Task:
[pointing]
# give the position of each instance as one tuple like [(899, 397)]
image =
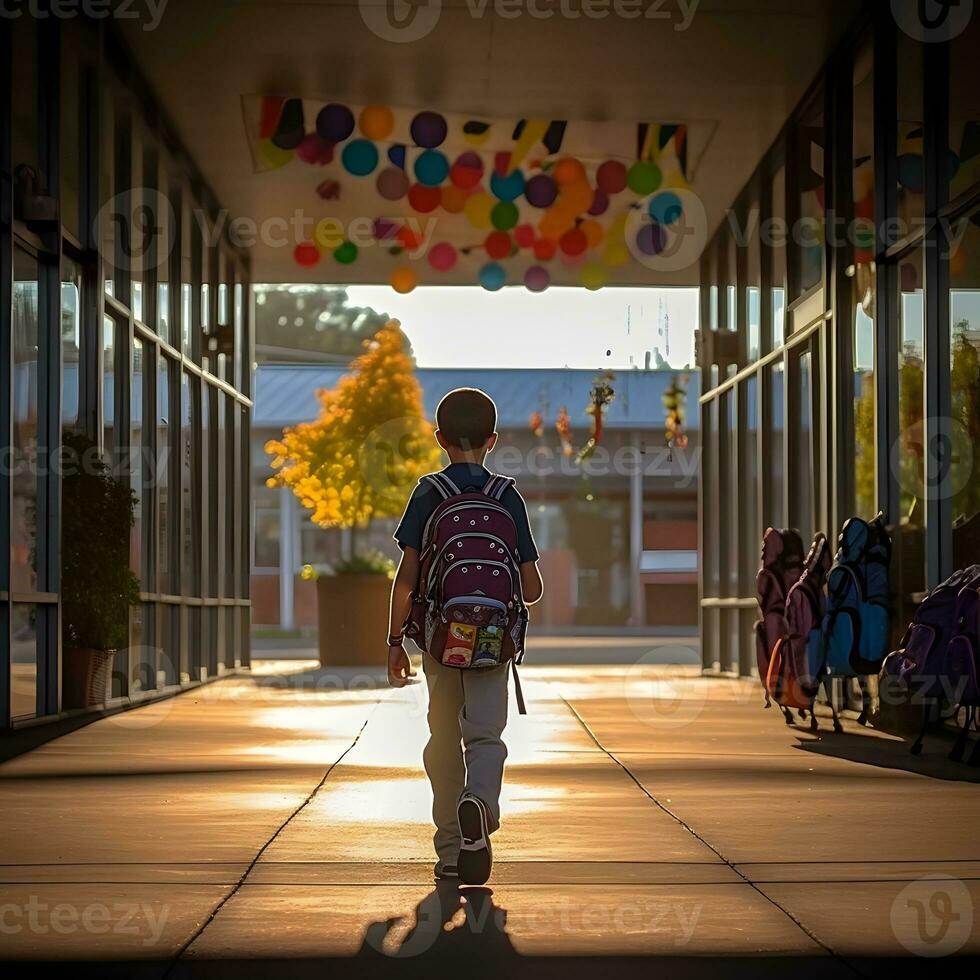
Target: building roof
[(285, 393)]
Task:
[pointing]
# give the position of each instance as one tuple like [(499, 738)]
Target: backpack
[(917, 667), (468, 611), (959, 662), (781, 564), (855, 626), (796, 663)]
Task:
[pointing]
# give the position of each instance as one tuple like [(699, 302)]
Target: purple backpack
[(781, 565), (468, 610), (960, 667)]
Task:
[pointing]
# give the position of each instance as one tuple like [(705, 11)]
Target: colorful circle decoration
[(540, 191), (345, 253), (403, 279), (306, 255), (424, 199), (665, 208), (594, 233), (376, 122), (428, 129), (592, 276), (478, 209), (467, 171), (611, 176), (392, 184), (577, 196), (507, 187), (568, 170), (504, 215), (600, 202), (452, 199), (359, 157), (492, 276), (270, 156), (545, 248), (408, 238), (498, 245), (651, 238), (315, 151), (573, 242), (385, 230), (442, 257), (334, 122), (643, 178), (396, 155), (431, 168), (537, 279), (524, 236)]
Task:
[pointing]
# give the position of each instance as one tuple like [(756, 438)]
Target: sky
[(465, 326)]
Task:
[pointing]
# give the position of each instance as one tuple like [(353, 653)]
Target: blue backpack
[(856, 624)]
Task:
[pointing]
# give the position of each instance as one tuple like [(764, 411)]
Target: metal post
[(287, 561)]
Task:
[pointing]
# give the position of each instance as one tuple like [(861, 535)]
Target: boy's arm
[(399, 666), (532, 585)]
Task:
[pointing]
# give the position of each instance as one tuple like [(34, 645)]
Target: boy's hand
[(399, 666)]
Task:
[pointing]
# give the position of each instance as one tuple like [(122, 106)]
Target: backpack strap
[(496, 486), (443, 484), (518, 693)]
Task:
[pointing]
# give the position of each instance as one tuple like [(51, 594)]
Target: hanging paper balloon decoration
[(467, 171), (424, 199), (545, 248), (345, 253), (665, 208), (573, 242), (315, 151), (452, 199), (431, 168), (537, 278), (497, 245), (540, 191), (600, 202), (334, 122), (593, 276), (396, 155), (359, 157), (428, 129), (504, 215), (568, 170), (643, 178), (376, 122), (593, 232), (403, 279), (509, 187), (478, 209), (306, 255), (442, 257), (524, 236), (408, 238), (492, 276), (392, 184), (611, 176)]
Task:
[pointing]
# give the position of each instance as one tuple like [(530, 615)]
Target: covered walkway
[(282, 816)]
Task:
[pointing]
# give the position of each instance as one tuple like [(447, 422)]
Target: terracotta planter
[(352, 612), (86, 677)]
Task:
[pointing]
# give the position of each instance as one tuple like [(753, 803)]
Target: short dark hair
[(466, 417)]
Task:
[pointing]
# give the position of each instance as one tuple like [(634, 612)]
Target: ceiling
[(733, 72)]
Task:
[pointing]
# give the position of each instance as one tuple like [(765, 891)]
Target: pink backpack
[(468, 610)]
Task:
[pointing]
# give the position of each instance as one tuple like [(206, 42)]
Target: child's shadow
[(449, 922)]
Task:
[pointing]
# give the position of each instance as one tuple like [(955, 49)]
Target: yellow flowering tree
[(370, 444)]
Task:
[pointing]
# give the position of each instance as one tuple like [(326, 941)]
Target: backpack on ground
[(917, 667), (961, 670), (781, 565), (856, 623), (796, 664), (468, 610)]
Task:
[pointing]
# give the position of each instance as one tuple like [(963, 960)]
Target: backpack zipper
[(463, 534), (489, 504), (478, 561)]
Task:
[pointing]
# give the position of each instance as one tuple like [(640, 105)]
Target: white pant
[(465, 752)]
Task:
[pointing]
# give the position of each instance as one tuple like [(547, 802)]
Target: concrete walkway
[(273, 821)]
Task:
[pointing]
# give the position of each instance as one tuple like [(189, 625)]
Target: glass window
[(70, 342), (114, 221), (24, 323), (777, 416), (777, 237), (23, 661), (752, 298), (140, 196), (163, 471), (964, 109), (749, 478), (164, 243), (109, 390), (810, 207), (911, 408), (965, 384), (803, 474), (778, 316), (240, 352), (138, 462), (910, 167)]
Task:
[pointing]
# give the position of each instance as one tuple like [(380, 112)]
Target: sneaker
[(445, 870), (475, 855)]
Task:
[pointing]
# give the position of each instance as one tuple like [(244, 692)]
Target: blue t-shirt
[(466, 476)]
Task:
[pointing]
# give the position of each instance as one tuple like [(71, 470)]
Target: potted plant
[(97, 584), (359, 460)]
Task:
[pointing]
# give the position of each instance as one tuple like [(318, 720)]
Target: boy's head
[(466, 420)]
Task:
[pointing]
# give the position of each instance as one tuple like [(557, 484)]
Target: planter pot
[(352, 613), (86, 677)]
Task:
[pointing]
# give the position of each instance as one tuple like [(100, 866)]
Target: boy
[(464, 757)]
